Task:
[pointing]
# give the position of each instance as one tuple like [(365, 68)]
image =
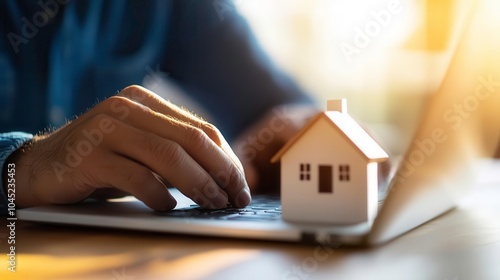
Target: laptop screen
[(460, 124)]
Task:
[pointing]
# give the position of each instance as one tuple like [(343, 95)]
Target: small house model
[(329, 170)]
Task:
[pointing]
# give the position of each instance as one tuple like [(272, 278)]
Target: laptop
[(436, 171)]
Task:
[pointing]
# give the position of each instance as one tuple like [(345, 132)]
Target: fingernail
[(244, 198)]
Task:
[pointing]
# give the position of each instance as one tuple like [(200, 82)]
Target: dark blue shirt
[(60, 57)]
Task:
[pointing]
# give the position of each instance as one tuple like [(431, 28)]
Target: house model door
[(325, 179)]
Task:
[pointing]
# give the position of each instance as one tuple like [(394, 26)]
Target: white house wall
[(301, 200), (372, 175)]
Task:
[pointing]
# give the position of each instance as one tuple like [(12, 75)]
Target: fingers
[(137, 180), (168, 159), (151, 100), (202, 141), (195, 143)]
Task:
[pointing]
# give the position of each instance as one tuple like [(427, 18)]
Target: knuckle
[(235, 179), (212, 132), (137, 93), (196, 138), (229, 178), (114, 102), (166, 152), (207, 188), (131, 91), (122, 106)]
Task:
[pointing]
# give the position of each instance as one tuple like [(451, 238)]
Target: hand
[(130, 142), (258, 144)]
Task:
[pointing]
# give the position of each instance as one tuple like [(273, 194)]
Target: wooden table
[(462, 244)]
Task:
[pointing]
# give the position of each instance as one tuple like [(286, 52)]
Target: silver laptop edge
[(460, 126)]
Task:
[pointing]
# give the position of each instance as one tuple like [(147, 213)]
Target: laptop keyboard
[(262, 208)]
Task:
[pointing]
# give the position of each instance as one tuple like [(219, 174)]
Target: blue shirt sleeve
[(213, 54), (9, 142)]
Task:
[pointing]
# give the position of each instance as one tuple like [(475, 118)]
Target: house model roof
[(339, 119)]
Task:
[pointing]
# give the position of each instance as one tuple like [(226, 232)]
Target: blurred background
[(385, 56)]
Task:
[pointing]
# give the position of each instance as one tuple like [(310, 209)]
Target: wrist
[(9, 143), (21, 159)]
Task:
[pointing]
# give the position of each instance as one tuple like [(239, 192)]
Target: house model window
[(305, 171), (344, 173)]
